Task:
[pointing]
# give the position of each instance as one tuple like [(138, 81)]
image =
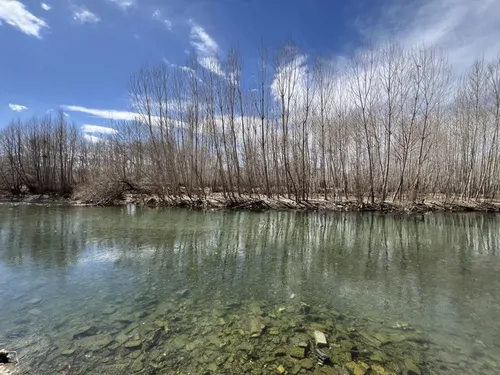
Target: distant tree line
[(390, 123)]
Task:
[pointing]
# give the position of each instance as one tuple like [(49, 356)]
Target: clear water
[(89, 290)]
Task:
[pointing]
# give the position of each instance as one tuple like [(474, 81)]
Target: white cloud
[(17, 107), (184, 68), (86, 128), (92, 138), (207, 50), (123, 4), (14, 13), (212, 64), (157, 16), (112, 114), (83, 15), (464, 29), (103, 113), (203, 43), (291, 78), (45, 6)]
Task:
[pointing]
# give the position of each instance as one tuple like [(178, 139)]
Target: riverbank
[(218, 201)]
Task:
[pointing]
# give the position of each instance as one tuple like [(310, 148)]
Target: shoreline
[(247, 203)]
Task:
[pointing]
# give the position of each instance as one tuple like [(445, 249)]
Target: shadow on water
[(67, 268)]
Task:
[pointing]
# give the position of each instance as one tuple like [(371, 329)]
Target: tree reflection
[(430, 267)]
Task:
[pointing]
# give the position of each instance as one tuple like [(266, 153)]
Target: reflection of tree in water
[(429, 267)]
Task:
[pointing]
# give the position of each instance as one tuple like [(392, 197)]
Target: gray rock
[(85, 332), (320, 339), (133, 344)]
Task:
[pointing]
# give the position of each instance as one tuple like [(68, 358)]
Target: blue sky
[(78, 54)]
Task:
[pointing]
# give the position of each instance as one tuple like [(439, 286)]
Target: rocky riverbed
[(185, 336)]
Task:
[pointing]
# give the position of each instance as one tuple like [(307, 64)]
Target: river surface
[(129, 290)]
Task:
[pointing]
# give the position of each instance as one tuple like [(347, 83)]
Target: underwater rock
[(85, 332), (109, 310), (68, 352), (183, 293), (327, 370), (280, 370), (256, 327), (411, 368), (34, 301), (386, 339), (273, 331), (95, 343), (403, 326), (355, 368), (304, 308), (133, 344), (320, 339), (297, 352), (377, 370), (322, 356), (279, 352), (255, 308), (307, 364)]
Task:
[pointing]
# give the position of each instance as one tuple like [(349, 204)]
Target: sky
[(77, 55)]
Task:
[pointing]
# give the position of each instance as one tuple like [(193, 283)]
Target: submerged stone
[(109, 310), (273, 331), (68, 352), (279, 352), (95, 343), (411, 368), (183, 293), (256, 327), (212, 367), (280, 370), (34, 301), (355, 368), (162, 325), (133, 344), (377, 370), (307, 364), (320, 338), (85, 331), (297, 352)]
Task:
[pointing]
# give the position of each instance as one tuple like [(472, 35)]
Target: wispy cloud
[(86, 128), (206, 48), (82, 15), (123, 4), (465, 29), (103, 113), (184, 68), (45, 6), (14, 13), (158, 16), (17, 107)]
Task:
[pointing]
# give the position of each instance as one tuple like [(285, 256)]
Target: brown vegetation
[(390, 127)]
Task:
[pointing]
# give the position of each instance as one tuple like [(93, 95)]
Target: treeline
[(391, 123)]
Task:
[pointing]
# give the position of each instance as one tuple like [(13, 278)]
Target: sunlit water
[(63, 269)]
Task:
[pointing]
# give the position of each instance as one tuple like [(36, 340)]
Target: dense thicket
[(391, 123)]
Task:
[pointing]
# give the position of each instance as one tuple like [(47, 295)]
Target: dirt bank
[(254, 203)]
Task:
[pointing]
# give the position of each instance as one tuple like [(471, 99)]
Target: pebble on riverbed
[(320, 339), (251, 339)]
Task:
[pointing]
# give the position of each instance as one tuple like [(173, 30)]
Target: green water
[(155, 291)]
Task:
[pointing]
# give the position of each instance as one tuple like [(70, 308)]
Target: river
[(126, 290)]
